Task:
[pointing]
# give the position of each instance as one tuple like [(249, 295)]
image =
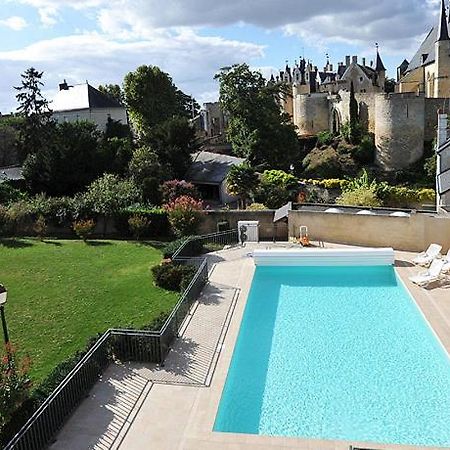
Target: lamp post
[(3, 297)]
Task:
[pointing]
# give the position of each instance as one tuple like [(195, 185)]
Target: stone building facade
[(400, 121)]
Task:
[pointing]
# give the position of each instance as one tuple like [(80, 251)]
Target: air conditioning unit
[(248, 231)]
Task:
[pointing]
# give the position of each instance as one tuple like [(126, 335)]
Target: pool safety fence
[(125, 345)]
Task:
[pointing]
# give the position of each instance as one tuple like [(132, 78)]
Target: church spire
[(443, 27), (379, 67)]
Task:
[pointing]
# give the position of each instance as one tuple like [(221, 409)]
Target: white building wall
[(99, 116)]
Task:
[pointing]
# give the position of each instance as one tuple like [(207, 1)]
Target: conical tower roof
[(442, 34), (379, 66)]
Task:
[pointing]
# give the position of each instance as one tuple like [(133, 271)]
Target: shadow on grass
[(98, 243), (15, 243), (55, 243), (159, 245)]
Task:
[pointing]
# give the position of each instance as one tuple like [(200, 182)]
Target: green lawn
[(60, 293)]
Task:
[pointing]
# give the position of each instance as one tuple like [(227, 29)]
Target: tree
[(68, 162), (258, 130), (241, 182), (113, 91), (174, 188), (354, 117), (110, 194), (185, 214), (152, 98), (146, 172), (35, 109), (173, 141), (277, 188)]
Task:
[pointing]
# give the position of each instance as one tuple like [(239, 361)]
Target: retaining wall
[(414, 233)]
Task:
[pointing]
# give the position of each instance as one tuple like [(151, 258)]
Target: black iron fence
[(126, 345)]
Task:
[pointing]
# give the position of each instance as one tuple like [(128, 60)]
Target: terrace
[(135, 405)]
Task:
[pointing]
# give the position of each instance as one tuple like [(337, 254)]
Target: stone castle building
[(401, 121)]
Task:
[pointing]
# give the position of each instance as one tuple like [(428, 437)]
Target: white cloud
[(192, 60), (15, 23)]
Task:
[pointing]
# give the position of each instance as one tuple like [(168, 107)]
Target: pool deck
[(136, 406)]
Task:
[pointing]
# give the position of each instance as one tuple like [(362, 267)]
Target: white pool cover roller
[(325, 257)]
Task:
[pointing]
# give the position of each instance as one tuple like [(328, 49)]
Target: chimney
[(347, 61), (364, 62), (355, 59), (371, 63), (63, 86)]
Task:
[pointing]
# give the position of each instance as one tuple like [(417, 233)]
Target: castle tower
[(442, 49)]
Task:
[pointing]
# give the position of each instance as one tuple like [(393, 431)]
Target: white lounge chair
[(425, 258), (430, 275), (446, 259)]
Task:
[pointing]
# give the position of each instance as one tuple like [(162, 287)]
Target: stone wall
[(414, 233), (399, 130), (267, 229)]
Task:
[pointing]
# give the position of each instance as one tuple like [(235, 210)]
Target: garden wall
[(414, 233), (267, 229)]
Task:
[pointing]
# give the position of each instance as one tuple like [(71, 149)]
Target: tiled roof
[(211, 168)]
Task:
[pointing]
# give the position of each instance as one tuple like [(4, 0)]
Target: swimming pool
[(336, 353)]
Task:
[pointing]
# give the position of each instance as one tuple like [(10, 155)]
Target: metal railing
[(125, 345), (193, 246)]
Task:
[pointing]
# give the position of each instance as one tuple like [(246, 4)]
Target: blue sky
[(101, 40)]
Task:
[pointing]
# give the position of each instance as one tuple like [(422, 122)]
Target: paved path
[(103, 419)]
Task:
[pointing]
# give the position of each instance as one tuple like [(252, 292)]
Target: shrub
[(257, 207), (404, 197), (184, 214), (173, 189), (360, 196), (276, 189), (9, 194), (20, 217), (331, 183), (195, 247), (40, 227), (157, 221), (84, 228), (324, 138), (172, 277), (138, 225), (364, 153), (14, 382)]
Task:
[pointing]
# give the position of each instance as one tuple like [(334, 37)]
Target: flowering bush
[(84, 228), (173, 189), (138, 224), (14, 383), (184, 214)]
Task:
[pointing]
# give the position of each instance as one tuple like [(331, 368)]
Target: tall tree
[(35, 109), (173, 141), (114, 91), (152, 98), (354, 116), (241, 182), (146, 172), (258, 130), (71, 160)]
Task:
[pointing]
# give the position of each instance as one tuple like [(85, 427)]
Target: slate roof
[(210, 168), (427, 48), (82, 96), (10, 174)]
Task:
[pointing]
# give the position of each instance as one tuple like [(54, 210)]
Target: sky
[(100, 41)]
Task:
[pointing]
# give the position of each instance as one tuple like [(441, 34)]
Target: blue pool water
[(336, 353)]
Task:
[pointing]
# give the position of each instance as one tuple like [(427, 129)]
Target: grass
[(60, 293)]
